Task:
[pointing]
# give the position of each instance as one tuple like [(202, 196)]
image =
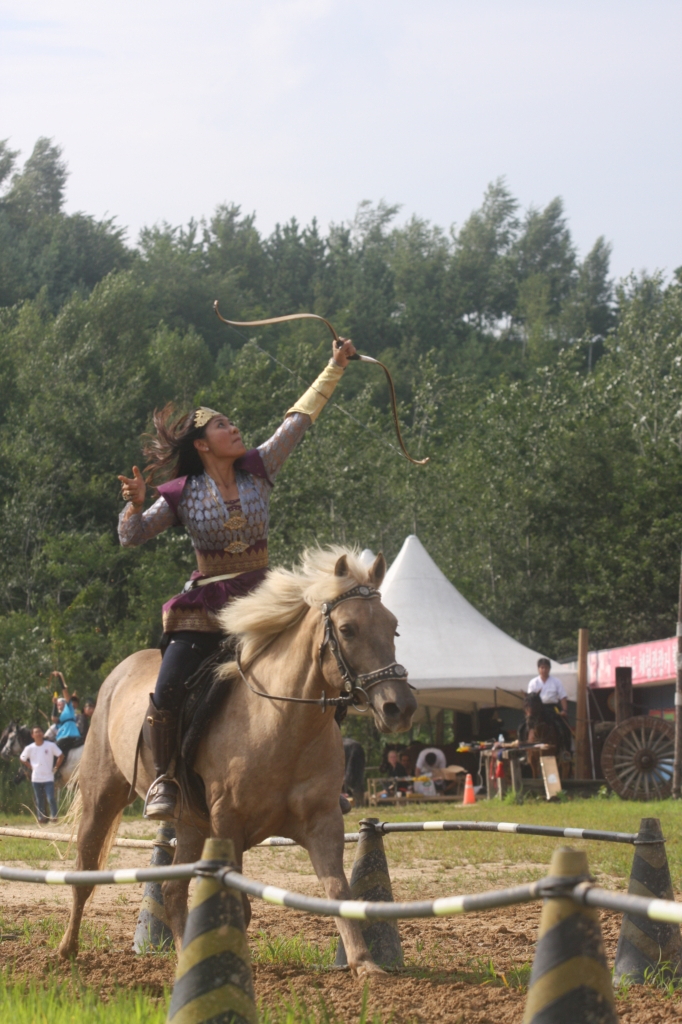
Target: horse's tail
[(109, 840), (75, 812), (72, 796)]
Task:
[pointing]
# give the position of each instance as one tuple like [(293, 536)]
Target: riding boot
[(162, 797)]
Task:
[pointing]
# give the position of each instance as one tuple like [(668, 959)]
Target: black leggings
[(69, 743), (182, 657)]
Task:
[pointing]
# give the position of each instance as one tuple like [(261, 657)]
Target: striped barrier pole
[(153, 931), (122, 876), (387, 827), (370, 881), (645, 945), (570, 979), (213, 982)]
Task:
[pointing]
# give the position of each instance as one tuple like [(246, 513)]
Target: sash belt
[(193, 584)]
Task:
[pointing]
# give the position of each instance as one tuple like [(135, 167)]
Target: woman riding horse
[(220, 493)]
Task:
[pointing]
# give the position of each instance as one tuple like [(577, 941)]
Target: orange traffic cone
[(469, 795)]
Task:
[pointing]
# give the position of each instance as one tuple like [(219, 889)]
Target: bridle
[(356, 684)]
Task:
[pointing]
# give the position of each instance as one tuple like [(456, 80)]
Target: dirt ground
[(446, 959)]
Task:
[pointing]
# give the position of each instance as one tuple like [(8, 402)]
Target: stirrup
[(173, 811)]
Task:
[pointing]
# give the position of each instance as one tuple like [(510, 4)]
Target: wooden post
[(440, 728), (516, 778), (582, 744), (677, 762), (624, 708)]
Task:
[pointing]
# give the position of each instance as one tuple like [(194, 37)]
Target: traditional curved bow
[(364, 359)]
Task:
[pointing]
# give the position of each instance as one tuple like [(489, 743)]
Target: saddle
[(205, 693)]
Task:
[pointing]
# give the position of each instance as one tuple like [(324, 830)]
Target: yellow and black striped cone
[(370, 881), (644, 945), (570, 982), (152, 931), (213, 982)]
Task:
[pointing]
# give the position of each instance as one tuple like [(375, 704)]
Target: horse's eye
[(346, 630)]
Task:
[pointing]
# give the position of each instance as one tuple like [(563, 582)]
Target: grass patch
[(36, 852), (295, 952), (662, 978), (295, 1010), (66, 1001), (428, 963), (48, 931)]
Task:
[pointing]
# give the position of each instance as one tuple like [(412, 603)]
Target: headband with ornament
[(203, 415)]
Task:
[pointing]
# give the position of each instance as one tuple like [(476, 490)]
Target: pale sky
[(306, 107)]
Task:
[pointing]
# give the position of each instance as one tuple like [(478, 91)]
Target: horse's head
[(10, 742), (341, 631), (532, 707), (365, 631)]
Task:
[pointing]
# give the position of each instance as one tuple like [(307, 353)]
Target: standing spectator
[(68, 733), (39, 756)]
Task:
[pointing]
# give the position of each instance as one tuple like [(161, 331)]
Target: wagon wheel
[(637, 759)]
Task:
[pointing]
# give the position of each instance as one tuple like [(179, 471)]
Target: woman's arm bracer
[(142, 526)]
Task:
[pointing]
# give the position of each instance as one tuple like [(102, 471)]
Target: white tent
[(455, 657)]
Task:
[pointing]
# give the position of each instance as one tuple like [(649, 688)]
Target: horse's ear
[(341, 567), (378, 570)]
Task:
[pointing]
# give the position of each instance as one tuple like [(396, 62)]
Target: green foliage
[(43, 250), (550, 413)]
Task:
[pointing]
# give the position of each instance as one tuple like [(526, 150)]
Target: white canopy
[(455, 657)]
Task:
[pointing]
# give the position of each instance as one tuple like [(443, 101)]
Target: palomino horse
[(15, 737), (269, 767)]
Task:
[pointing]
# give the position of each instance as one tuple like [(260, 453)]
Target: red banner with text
[(653, 662)]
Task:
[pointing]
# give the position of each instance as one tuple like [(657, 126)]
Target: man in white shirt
[(430, 758), (552, 694), (40, 757)]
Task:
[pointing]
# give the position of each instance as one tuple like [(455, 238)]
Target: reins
[(356, 685), (357, 356)]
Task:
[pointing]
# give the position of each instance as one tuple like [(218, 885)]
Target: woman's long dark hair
[(171, 452)]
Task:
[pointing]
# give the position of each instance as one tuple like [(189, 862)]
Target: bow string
[(357, 356)]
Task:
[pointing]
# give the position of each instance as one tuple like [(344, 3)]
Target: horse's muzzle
[(393, 711)]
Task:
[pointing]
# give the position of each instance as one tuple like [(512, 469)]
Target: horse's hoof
[(364, 969), (67, 951)]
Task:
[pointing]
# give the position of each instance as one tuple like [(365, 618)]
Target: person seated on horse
[(553, 696), (68, 734), (220, 493)]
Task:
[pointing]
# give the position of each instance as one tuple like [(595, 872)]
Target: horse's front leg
[(190, 842), (226, 825), (324, 842)]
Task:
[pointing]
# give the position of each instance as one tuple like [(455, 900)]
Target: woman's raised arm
[(277, 449)]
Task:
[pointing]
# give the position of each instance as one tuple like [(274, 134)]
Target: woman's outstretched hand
[(343, 351), (134, 489)]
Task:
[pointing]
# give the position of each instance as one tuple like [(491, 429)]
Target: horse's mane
[(285, 594)]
